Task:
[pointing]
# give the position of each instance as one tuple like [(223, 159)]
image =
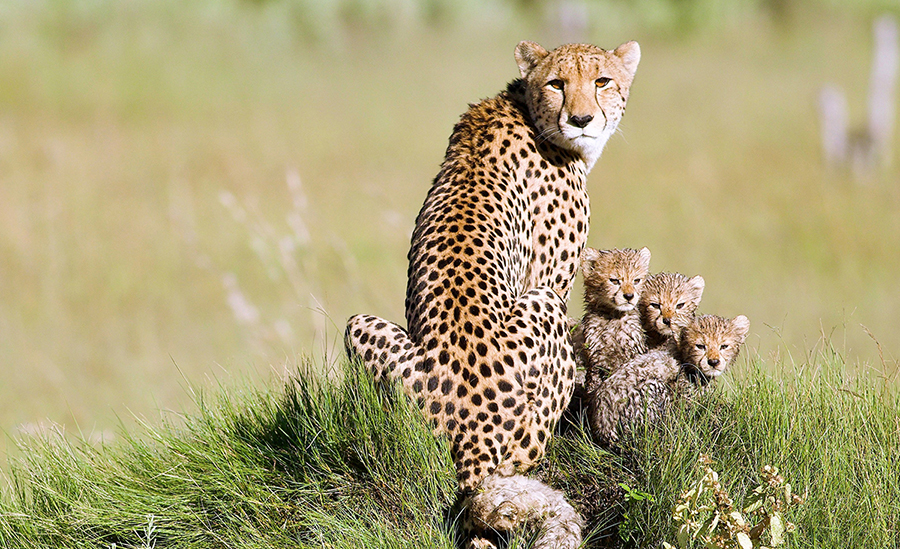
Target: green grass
[(342, 463), (837, 439), (320, 464)]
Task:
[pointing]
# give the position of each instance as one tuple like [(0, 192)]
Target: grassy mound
[(322, 464), (340, 464)]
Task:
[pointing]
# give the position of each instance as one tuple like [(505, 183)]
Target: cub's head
[(709, 344), (613, 278), (576, 93), (668, 303)]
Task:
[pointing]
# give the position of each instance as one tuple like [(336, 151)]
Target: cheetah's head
[(710, 343), (613, 278), (668, 302), (576, 93)]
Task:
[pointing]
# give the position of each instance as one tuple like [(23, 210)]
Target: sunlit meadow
[(199, 191)]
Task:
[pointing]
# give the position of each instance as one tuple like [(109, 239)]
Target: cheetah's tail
[(380, 345), (504, 502)]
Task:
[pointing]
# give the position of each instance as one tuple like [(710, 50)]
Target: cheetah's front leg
[(535, 339)]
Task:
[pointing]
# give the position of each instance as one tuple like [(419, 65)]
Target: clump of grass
[(835, 437), (323, 464)]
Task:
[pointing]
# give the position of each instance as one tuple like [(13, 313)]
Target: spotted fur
[(486, 352)]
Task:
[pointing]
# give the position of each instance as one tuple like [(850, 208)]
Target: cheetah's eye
[(614, 281), (701, 346), (556, 84), (679, 306), (637, 280), (602, 82), (655, 305), (723, 346)]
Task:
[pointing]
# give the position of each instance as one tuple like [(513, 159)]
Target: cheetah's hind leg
[(384, 348), (502, 503)]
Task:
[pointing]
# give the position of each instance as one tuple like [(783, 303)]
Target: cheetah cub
[(641, 390), (667, 305), (610, 332)]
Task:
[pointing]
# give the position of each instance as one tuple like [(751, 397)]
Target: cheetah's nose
[(628, 297), (713, 362), (667, 321), (580, 121)]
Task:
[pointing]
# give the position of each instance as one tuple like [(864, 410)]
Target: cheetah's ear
[(630, 54), (589, 257), (644, 255), (741, 325), (528, 55), (697, 284)]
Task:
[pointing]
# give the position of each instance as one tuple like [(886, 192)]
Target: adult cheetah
[(495, 248)]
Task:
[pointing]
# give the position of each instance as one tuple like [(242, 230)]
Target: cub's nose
[(628, 297), (580, 121), (667, 321), (713, 362)]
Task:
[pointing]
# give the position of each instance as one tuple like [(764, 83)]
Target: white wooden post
[(883, 88)]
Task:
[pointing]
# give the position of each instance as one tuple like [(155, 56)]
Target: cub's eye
[(723, 346), (614, 281), (679, 306), (637, 280), (701, 346), (556, 84), (602, 82), (655, 305)]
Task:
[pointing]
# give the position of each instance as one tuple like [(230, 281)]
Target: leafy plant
[(632, 495), (706, 513)]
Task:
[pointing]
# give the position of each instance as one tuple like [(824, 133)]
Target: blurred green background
[(191, 191)]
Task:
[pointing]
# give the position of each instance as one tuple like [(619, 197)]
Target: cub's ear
[(589, 257), (644, 255), (528, 55), (741, 325), (630, 54), (697, 284)]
